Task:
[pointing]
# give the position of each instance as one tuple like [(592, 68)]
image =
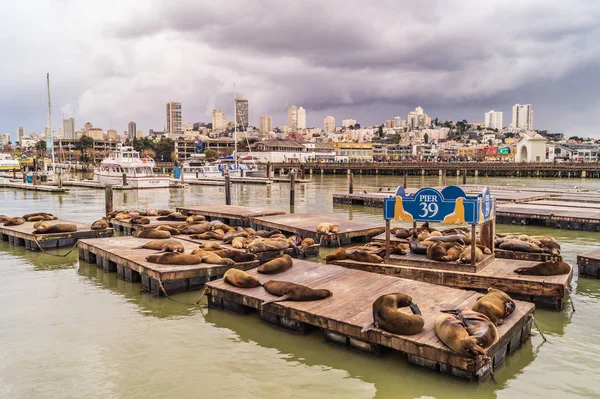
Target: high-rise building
[(131, 130), (398, 122), (522, 116), (219, 120), (418, 118), (329, 124), (292, 119), (20, 132), (69, 128), (241, 111), (301, 118), (111, 134), (493, 120), (348, 122), (139, 134), (265, 124), (174, 118)]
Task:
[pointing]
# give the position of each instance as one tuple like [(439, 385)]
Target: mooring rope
[(538, 328), (50, 253), (162, 288), (488, 360), (570, 290)]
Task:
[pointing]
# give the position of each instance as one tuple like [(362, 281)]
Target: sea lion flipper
[(415, 309), (368, 327), (451, 311), (281, 298)]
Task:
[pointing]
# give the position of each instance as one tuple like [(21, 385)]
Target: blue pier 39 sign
[(450, 206)]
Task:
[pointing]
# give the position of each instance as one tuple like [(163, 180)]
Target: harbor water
[(69, 330)]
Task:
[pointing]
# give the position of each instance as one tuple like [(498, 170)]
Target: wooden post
[(387, 241), (292, 187), (25, 177), (59, 177), (465, 177), (108, 198), (351, 184), (405, 183), (181, 176), (302, 173), (124, 179), (473, 243), (227, 189), (268, 170), (443, 177), (14, 173)]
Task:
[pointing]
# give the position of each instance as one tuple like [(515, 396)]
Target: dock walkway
[(343, 315), (32, 187), (588, 264), (232, 215)]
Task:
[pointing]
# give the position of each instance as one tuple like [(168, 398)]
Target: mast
[(50, 119), (234, 126)]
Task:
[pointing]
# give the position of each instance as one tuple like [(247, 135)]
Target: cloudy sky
[(115, 61)]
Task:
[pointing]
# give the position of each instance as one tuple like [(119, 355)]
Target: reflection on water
[(64, 322)]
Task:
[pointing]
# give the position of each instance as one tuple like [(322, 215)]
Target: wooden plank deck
[(343, 315), (570, 218), (305, 225), (117, 255), (588, 264), (547, 291), (22, 235), (231, 214)]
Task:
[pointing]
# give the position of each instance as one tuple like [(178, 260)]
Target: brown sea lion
[(364, 256), (140, 220), (465, 256), (422, 236), (4, 218), (154, 234), (238, 243), (170, 229), (43, 216), (339, 254), (452, 332), (152, 212), (279, 236), (480, 327), (207, 235), (100, 224), (210, 246), (123, 216), (195, 219), (415, 246), (327, 228), (453, 253), (401, 232), (196, 228), (388, 317), (55, 228), (515, 245), (236, 256), (175, 216), (450, 238), (548, 268), (276, 265), (437, 252), (241, 279), (288, 291), (307, 242), (212, 258), (435, 234), (164, 246), (267, 245), (267, 234), (496, 305), (164, 212), (228, 237), (174, 258), (14, 221)]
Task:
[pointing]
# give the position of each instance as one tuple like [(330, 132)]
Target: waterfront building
[(28, 142), (241, 106), (131, 130), (111, 134), (224, 146), (348, 122), (522, 117), (287, 150), (292, 118), (301, 118), (219, 120), (265, 124), (574, 152), (20, 132), (87, 127), (493, 120), (95, 132), (329, 124), (71, 153), (174, 119), (355, 152), (531, 148), (69, 128)]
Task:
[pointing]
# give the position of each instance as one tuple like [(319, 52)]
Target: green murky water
[(69, 330)]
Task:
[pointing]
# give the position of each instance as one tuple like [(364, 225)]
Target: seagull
[(389, 189), (380, 188), (576, 187), (364, 191)]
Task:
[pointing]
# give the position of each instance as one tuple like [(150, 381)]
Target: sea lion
[(151, 212), (4, 218), (123, 216), (449, 238), (548, 268), (388, 317), (164, 246), (170, 229), (453, 253), (14, 222), (288, 291), (437, 252), (195, 219), (339, 254), (140, 220), (43, 216), (164, 212), (174, 258), (276, 265), (210, 246), (465, 256), (238, 243), (422, 236), (100, 224), (241, 279), (212, 258), (228, 237), (364, 256), (496, 305), (279, 236), (415, 246), (267, 234), (402, 233), (154, 234), (452, 332), (196, 228), (515, 245), (175, 216), (55, 228), (207, 235), (236, 256), (267, 245), (327, 228), (480, 327)]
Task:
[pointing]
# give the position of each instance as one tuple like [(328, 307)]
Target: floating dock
[(117, 254), (33, 187), (305, 226), (234, 180), (556, 216), (22, 235), (588, 264), (232, 215), (343, 315), (127, 228)]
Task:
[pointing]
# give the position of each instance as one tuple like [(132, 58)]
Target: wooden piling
[(387, 241), (227, 189), (292, 187), (124, 179), (351, 184), (473, 243), (108, 198), (59, 178), (405, 182), (465, 177), (443, 177)]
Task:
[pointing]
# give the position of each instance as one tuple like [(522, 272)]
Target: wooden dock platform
[(232, 215), (32, 187), (343, 315), (22, 235), (117, 255), (305, 225), (555, 216), (588, 264)]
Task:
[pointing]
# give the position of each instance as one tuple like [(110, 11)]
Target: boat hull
[(135, 181)]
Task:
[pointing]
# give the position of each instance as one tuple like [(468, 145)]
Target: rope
[(162, 288), (50, 253), (488, 360), (570, 290), (538, 328)]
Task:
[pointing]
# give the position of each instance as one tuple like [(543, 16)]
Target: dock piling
[(351, 184), (124, 179), (443, 177), (405, 182), (292, 187), (227, 189), (465, 177), (108, 198)]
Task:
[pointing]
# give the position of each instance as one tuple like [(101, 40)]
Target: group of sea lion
[(172, 252), (371, 252), (525, 243), (41, 225), (471, 331)]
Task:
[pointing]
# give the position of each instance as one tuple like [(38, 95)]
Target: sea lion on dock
[(212, 258), (196, 228), (228, 237), (153, 234), (402, 233), (39, 217), (267, 245), (195, 219), (164, 246), (415, 246), (515, 245), (388, 317), (364, 256), (238, 243), (437, 252), (170, 229), (449, 238), (339, 254), (453, 333), (548, 268), (152, 212), (480, 327), (267, 234), (496, 305), (123, 216), (174, 258), (4, 218), (207, 235), (100, 224), (164, 212), (236, 256), (288, 291), (327, 228), (175, 216), (241, 279), (139, 220), (453, 253), (14, 221), (465, 256), (47, 228), (210, 246), (277, 265)]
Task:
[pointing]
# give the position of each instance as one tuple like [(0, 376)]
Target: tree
[(83, 144), (426, 138), (380, 131), (40, 146), (357, 126), (148, 153), (210, 153), (163, 149)]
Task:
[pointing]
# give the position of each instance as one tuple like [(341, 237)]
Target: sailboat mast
[(50, 119), (235, 126)]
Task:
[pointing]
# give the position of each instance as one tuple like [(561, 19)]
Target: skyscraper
[(329, 124), (20, 132), (241, 109), (301, 118), (174, 118), (522, 116), (493, 120), (292, 120), (131, 130), (265, 124), (219, 120), (69, 128)]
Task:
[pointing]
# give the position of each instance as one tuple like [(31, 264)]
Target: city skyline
[(105, 68)]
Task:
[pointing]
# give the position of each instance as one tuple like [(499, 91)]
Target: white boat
[(197, 168), (8, 164), (139, 171)]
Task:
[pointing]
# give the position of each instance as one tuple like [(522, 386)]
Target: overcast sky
[(115, 61)]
